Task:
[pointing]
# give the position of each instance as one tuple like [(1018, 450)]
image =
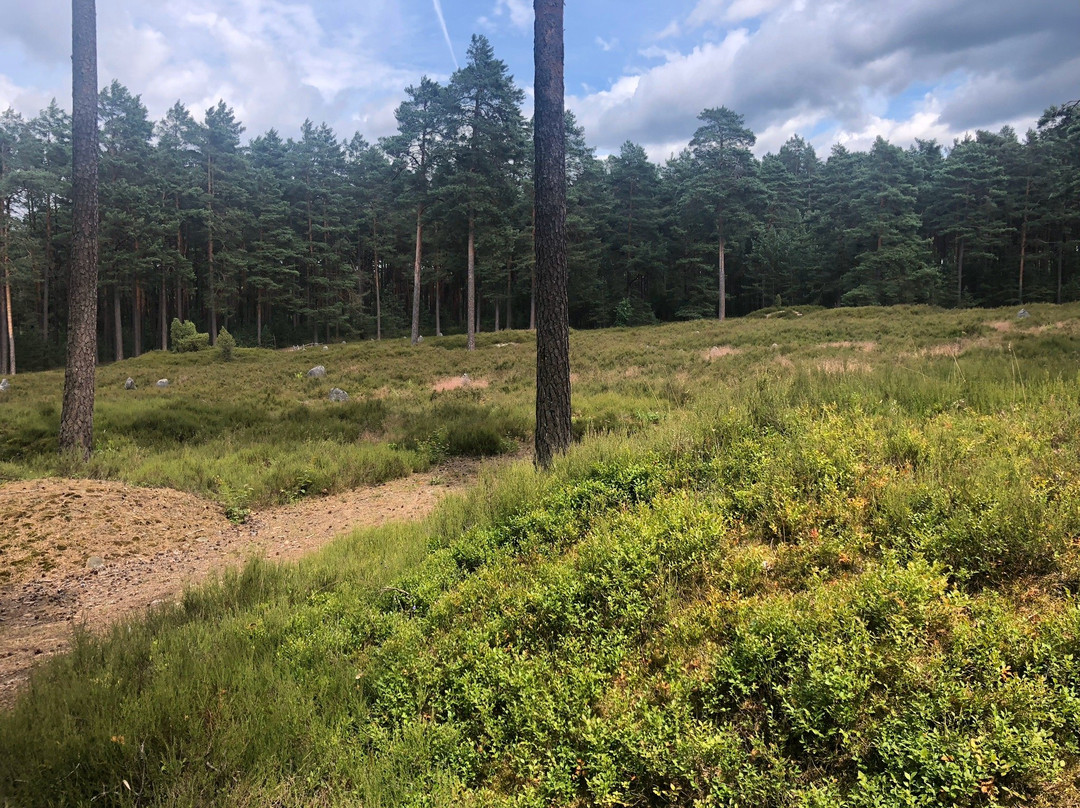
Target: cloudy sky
[(830, 70)]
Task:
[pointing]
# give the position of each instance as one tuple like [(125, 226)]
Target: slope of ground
[(90, 552)]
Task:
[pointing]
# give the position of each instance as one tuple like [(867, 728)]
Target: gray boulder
[(337, 394), (5, 385), (163, 383), (1023, 314), (317, 372), (130, 384)]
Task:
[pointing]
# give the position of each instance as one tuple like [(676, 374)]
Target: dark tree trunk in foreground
[(552, 308), (77, 419)]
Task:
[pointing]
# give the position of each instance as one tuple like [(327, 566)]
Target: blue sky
[(831, 70)]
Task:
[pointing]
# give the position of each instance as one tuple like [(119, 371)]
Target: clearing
[(154, 542)]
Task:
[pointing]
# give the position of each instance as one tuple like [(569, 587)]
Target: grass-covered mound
[(849, 585)]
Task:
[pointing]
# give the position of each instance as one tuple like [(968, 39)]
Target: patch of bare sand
[(719, 352), (457, 383), (1001, 326), (155, 542)]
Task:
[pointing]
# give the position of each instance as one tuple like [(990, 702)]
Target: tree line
[(315, 239)]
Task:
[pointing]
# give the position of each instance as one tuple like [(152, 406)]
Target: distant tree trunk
[(1061, 264), (163, 314), (77, 418), (416, 275), (48, 270), (118, 325), (553, 423), (136, 317), (258, 317), (723, 283), (960, 273), (438, 307), (378, 288), (509, 298), (496, 315), (1023, 239), (3, 335), (470, 314), (9, 324)]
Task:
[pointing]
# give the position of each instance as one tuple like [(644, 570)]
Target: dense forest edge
[(295, 241), (799, 559)]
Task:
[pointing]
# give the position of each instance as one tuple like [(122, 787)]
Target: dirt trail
[(150, 544)]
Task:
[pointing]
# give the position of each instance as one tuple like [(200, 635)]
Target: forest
[(320, 239)]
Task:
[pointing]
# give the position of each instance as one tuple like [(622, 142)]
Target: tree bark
[(470, 314), (163, 314), (118, 325), (553, 415), (960, 273), (3, 335), (77, 418), (416, 274), (438, 306), (723, 283), (136, 318), (9, 325)]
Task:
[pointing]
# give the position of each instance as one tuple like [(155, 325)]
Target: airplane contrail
[(446, 33)]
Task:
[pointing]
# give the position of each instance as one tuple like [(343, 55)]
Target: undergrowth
[(814, 588)]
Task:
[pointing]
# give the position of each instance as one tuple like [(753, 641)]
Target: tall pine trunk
[(470, 314), (960, 273), (118, 325), (722, 282), (416, 274), (77, 418), (438, 307), (553, 424), (163, 314), (136, 318)]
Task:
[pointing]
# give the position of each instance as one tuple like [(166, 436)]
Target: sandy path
[(153, 543)]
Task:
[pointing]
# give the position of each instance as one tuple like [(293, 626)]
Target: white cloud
[(519, 11), (606, 44)]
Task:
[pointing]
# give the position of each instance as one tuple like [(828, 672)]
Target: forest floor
[(89, 552)]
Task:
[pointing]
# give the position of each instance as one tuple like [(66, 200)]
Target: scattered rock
[(95, 563), (317, 372), (337, 394), (419, 339), (326, 347), (1023, 314), (130, 384), (465, 380), (5, 385), (162, 382)]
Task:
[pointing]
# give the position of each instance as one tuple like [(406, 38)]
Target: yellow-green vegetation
[(818, 560)]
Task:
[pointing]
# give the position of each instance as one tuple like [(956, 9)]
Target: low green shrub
[(226, 345), (185, 339)]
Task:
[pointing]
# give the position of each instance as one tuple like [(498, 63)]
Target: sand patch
[(459, 383), (719, 352), (1001, 325)]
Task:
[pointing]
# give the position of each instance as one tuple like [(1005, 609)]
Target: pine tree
[(77, 417), (725, 181), (553, 427), (414, 151), (486, 134)]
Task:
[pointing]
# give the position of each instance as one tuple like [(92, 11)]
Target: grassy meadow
[(825, 559)]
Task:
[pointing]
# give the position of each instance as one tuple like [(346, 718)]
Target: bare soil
[(90, 552)]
